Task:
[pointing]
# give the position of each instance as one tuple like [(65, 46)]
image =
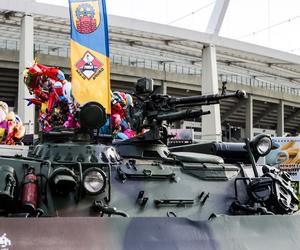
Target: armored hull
[(155, 200)]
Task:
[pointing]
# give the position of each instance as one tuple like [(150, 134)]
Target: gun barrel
[(206, 98), (182, 114)]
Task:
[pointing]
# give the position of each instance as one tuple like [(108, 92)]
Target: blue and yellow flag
[(90, 52)]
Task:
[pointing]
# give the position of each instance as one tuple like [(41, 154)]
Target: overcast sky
[(271, 23)]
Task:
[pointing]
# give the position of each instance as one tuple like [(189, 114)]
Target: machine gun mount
[(154, 109)]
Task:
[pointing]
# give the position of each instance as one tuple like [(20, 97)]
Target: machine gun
[(153, 109)]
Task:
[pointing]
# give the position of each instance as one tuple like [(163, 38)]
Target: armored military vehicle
[(79, 190)]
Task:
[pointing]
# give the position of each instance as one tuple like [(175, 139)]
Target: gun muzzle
[(240, 93)]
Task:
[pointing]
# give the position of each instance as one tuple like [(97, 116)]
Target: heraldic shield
[(86, 15)]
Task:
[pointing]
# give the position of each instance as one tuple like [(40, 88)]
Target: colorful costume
[(120, 117), (12, 130), (52, 95), (15, 129)]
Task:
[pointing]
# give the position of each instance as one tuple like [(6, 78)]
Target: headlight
[(94, 181), (63, 180), (262, 145)]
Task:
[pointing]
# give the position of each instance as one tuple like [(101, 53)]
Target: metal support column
[(25, 60), (164, 84), (249, 117), (217, 17), (164, 87), (280, 119), (211, 124)]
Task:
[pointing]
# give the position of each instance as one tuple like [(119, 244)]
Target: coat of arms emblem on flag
[(86, 16)]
